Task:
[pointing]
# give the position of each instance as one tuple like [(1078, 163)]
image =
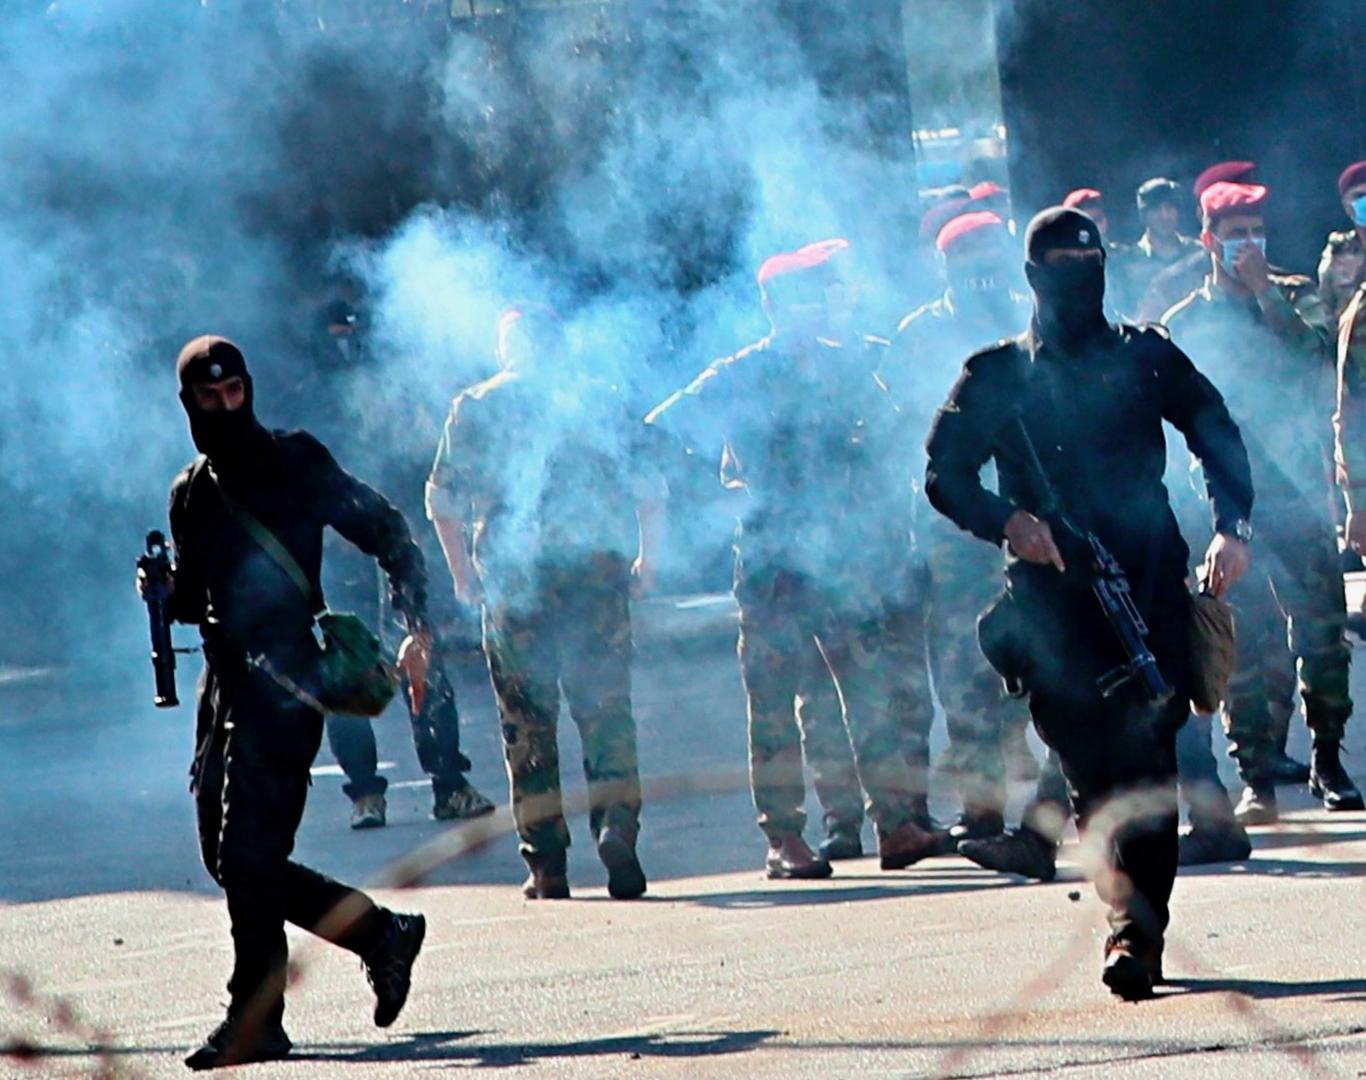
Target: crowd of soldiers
[(859, 568)]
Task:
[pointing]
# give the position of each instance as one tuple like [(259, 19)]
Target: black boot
[(976, 823), (1329, 781), (617, 850), (842, 840), (1206, 843), (241, 1039)]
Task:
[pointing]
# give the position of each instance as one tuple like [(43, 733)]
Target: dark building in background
[(1103, 94)]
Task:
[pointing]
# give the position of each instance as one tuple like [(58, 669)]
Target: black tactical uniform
[(255, 742), (1092, 398)]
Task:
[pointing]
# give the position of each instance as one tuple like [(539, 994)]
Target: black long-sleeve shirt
[(1096, 423), (225, 580)]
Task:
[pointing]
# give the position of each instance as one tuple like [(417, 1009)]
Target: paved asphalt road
[(945, 970)]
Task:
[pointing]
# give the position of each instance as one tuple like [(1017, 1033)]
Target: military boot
[(1258, 804), (843, 840), (977, 823), (617, 850), (905, 845), (549, 878), (1283, 769), (1329, 781), (1203, 844), (1021, 851), (790, 858)]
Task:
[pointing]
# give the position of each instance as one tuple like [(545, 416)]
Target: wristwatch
[(1241, 531)]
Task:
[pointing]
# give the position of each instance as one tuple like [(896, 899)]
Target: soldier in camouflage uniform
[(1160, 246), (822, 552), (1263, 336), (1342, 268), (963, 578), (545, 464)]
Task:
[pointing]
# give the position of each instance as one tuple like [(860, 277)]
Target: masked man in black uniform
[(1090, 398), (255, 742)]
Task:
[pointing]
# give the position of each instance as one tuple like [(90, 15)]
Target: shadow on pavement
[(1306, 868), (1266, 989), (802, 895), (444, 1046)]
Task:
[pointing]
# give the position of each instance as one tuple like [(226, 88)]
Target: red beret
[(1076, 200), (936, 217), (985, 190), (1351, 177), (1231, 172), (804, 258), (1223, 198), (964, 224)]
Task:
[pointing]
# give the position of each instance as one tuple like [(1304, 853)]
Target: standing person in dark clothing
[(822, 552), (1160, 246), (1091, 398), (254, 741), (546, 505)]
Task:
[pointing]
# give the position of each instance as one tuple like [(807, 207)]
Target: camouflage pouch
[(354, 675), (1213, 651)]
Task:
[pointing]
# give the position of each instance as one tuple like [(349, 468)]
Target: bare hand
[(1251, 267), (642, 577), (142, 583), (414, 658), (1032, 540), (1225, 562)]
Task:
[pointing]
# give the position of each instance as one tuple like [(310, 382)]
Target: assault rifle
[(1108, 583)]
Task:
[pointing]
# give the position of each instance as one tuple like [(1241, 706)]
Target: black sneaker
[(625, 878), (389, 969), (238, 1042)]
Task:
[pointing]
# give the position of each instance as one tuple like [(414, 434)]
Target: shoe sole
[(421, 923), (368, 823), (815, 872), (625, 878), (1128, 979)]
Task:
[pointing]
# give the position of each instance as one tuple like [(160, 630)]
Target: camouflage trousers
[(574, 634), (962, 578), (1291, 617), (796, 648)]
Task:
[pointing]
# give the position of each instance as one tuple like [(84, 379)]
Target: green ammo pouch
[(353, 675)]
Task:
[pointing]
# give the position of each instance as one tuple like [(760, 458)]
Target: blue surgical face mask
[(1232, 247), (1359, 210)]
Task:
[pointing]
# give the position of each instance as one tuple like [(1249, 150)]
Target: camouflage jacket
[(819, 449), (1342, 270), (1271, 357), (546, 474), (1349, 419)]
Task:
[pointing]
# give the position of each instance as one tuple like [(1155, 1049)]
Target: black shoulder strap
[(268, 541)]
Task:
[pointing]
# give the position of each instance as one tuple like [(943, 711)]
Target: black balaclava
[(1068, 299), (232, 441)]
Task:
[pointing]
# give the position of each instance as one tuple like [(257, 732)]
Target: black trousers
[(1118, 754), (251, 777), (436, 737)]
